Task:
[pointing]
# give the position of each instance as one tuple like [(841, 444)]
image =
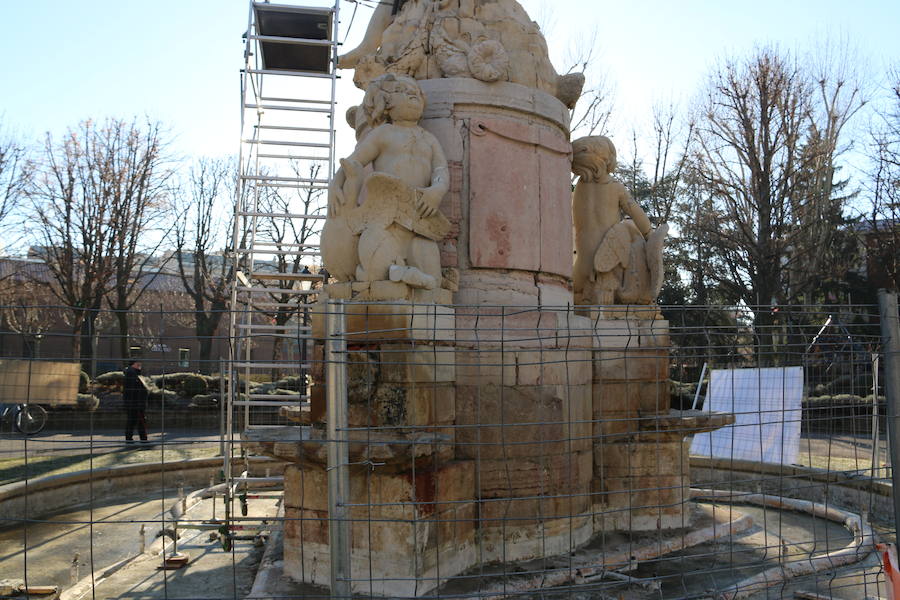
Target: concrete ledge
[(858, 493), (35, 498)]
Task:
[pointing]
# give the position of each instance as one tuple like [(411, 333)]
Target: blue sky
[(66, 60)]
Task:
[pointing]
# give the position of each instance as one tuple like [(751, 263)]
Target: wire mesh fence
[(457, 452)]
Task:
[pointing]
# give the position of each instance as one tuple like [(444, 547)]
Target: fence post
[(890, 335), (338, 450)]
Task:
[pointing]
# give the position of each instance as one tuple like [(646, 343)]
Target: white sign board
[(766, 404)]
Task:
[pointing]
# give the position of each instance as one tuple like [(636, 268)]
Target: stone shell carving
[(488, 61)]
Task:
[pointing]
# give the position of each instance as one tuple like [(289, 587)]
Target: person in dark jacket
[(134, 398)]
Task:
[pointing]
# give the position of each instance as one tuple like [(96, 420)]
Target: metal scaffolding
[(288, 87)]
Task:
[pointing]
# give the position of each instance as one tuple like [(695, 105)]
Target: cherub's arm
[(369, 148), (380, 21), (631, 208), (344, 188), (428, 199)]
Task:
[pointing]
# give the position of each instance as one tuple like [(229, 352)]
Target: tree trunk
[(124, 338), (207, 325), (277, 346), (763, 329), (86, 344), (78, 317)]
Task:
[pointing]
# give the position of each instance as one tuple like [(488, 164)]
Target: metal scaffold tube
[(338, 451), (890, 333)]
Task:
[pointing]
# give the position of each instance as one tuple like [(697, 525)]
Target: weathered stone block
[(436, 296), (638, 520), (553, 293), (405, 405), (410, 524), (651, 492), (409, 555), (522, 329), (648, 364), (535, 478), (524, 513), (520, 421), (485, 366), (554, 367), (612, 426), (390, 322), (630, 334), (636, 397), (508, 542), (494, 288), (624, 312), (339, 291), (417, 364), (635, 459)]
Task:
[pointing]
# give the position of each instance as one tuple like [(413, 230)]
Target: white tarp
[(767, 408)]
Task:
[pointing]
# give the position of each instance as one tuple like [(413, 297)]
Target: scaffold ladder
[(288, 94)]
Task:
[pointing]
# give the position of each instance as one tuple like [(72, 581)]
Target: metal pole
[(876, 417), (338, 451), (890, 335), (222, 402), (699, 385)]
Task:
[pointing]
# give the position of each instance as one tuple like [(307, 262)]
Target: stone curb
[(809, 473), (40, 496)]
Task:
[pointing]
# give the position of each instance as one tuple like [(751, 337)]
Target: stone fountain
[(501, 416)]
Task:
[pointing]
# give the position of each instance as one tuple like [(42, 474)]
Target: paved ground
[(100, 536), (55, 453), (104, 535), (67, 443), (211, 573)]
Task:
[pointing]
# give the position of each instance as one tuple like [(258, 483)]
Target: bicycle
[(29, 419)]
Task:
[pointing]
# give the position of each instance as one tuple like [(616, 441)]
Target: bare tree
[(72, 222), (141, 215), (90, 203), (201, 237), (14, 174), (26, 305), (765, 146), (881, 223)]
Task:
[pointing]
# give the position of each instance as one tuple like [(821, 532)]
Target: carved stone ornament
[(489, 40)]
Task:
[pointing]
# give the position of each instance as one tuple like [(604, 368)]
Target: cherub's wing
[(614, 250), (654, 249)]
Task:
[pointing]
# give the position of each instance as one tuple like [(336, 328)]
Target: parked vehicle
[(27, 418)]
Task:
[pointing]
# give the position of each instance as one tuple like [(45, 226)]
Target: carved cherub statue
[(393, 233), (617, 261)]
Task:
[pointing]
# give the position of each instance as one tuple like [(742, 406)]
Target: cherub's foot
[(412, 277), (569, 87)]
